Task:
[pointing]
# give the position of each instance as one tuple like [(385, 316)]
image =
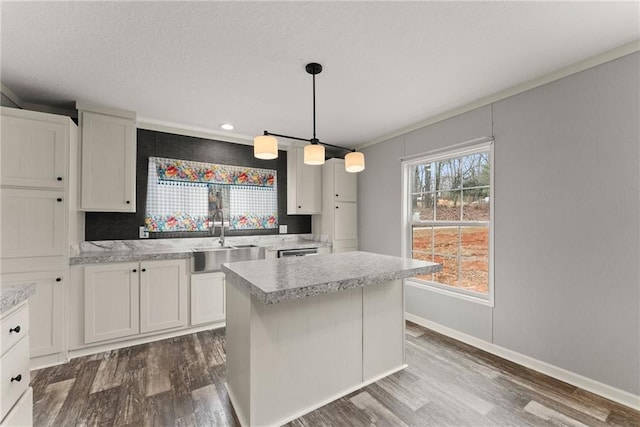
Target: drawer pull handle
[(59, 178), (16, 329), (337, 207), (128, 201), (135, 271), (337, 195), (58, 279), (144, 269), (59, 199), (17, 378)]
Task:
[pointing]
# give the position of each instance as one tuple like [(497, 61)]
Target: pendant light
[(266, 146)]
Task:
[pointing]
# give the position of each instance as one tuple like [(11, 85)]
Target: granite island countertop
[(283, 279), (10, 296)]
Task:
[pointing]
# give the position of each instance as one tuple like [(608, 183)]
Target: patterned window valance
[(190, 171), (182, 195)]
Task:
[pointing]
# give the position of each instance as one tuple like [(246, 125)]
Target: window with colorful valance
[(183, 195)]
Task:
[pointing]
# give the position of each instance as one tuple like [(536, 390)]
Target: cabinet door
[(33, 223), (163, 295), (207, 298), (108, 163), (33, 153), (46, 309), (304, 195), (111, 301), (346, 184), (22, 412), (346, 221)]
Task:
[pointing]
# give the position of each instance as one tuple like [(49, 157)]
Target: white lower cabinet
[(46, 309), (163, 295), (207, 298), (111, 301), (125, 299), (22, 412), (16, 398)]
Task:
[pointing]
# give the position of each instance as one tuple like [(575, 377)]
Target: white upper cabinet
[(339, 219), (34, 150), (108, 160), (33, 223), (304, 185), (345, 183)]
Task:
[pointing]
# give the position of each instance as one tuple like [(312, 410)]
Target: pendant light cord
[(314, 110)]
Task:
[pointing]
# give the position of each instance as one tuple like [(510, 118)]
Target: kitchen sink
[(209, 258)]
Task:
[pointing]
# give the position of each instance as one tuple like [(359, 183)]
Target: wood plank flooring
[(180, 382)]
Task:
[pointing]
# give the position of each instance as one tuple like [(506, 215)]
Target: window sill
[(439, 290)]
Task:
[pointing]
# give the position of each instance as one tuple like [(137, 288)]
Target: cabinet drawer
[(13, 328), (22, 413), (14, 365)]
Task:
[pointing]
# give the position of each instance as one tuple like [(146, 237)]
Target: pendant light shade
[(313, 154), (354, 162), (265, 147)]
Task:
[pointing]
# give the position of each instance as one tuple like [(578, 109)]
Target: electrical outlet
[(283, 229), (143, 233)]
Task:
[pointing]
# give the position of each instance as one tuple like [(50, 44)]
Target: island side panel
[(304, 353), (383, 337), (238, 351)]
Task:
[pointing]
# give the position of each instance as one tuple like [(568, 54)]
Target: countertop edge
[(14, 295), (328, 287)]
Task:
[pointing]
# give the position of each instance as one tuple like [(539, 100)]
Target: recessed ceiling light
[(226, 126)]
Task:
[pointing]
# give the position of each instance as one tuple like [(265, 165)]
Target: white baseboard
[(320, 404), (236, 406), (593, 386), (99, 348)]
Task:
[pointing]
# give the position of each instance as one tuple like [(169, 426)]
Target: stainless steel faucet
[(213, 226)]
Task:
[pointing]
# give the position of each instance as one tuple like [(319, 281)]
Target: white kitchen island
[(302, 332)]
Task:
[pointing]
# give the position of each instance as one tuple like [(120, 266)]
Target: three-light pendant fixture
[(266, 146)]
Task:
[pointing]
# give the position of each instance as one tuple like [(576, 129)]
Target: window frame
[(460, 150)]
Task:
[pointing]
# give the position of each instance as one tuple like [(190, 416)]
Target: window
[(184, 195), (448, 218)]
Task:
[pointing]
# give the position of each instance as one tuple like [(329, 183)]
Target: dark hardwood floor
[(180, 381)]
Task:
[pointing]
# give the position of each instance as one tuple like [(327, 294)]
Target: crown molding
[(10, 95), (577, 67)]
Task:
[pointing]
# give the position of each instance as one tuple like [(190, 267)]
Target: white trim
[(457, 150), (593, 386), (201, 132), (336, 396), (591, 62), (450, 292), (461, 148), (86, 351), (10, 95), (83, 106), (236, 406)]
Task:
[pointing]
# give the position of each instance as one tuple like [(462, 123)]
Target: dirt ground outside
[(462, 251)]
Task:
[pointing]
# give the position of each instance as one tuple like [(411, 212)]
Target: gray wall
[(567, 221)]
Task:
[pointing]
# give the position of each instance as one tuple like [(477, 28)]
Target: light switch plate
[(143, 233), (283, 229)]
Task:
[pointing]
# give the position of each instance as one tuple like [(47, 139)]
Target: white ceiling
[(387, 65)]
